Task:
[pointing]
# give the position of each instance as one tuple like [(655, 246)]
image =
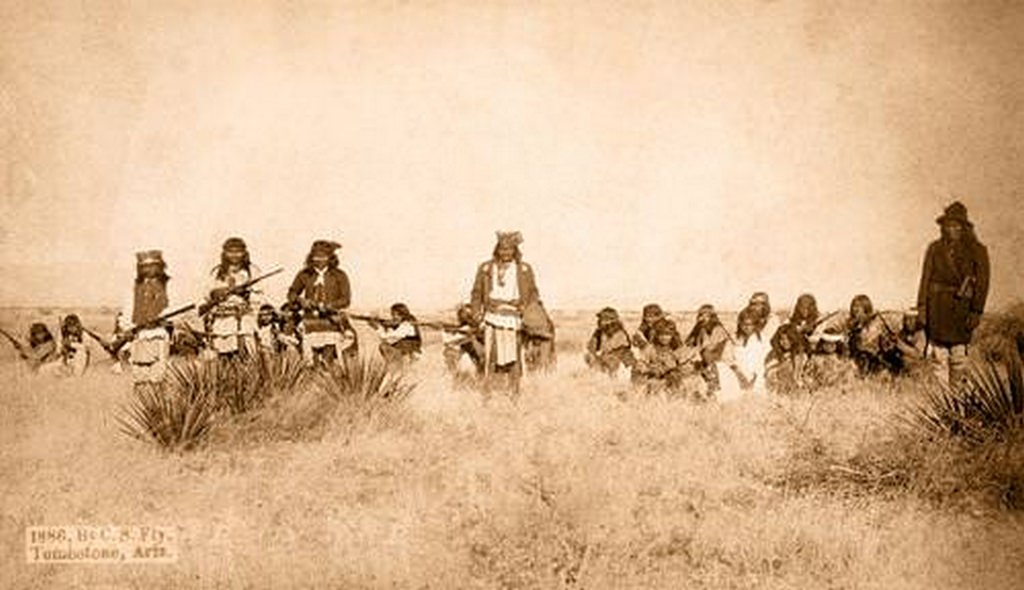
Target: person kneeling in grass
[(400, 340), (608, 349), (661, 362), (710, 338)]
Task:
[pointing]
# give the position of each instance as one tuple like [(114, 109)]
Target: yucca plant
[(244, 383), (988, 402), (281, 373), (180, 412), (364, 385), (173, 417)]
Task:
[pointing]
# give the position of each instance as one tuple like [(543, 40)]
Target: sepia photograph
[(549, 294)]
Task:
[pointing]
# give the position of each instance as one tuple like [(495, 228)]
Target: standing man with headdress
[(321, 290), (953, 290), (504, 295), (233, 316), (150, 347)]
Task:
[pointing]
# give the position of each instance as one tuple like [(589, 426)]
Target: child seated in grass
[(710, 339), (652, 314)]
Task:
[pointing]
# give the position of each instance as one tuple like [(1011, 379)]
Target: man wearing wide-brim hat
[(953, 290)]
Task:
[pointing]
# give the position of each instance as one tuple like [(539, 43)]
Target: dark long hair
[(332, 261), (797, 341), (862, 300), (71, 325), (667, 325), (402, 311), (38, 334), (748, 312), (869, 308), (517, 255), (222, 268), (699, 328), (812, 315)]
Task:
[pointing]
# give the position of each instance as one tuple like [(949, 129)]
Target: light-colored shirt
[(400, 332), (505, 282)]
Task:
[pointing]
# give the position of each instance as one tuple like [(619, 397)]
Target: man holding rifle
[(233, 321), (321, 290)]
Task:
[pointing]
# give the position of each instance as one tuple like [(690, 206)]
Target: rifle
[(446, 326), (823, 319), (17, 344), (115, 346), (101, 341), (369, 319), (235, 290)]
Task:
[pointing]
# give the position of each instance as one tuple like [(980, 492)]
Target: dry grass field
[(580, 483)]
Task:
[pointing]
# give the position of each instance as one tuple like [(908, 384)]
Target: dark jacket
[(954, 286), (335, 295)]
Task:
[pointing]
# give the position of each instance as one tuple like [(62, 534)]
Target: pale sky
[(648, 151)]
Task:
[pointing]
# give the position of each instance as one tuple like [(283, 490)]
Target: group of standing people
[(503, 328), (950, 301)]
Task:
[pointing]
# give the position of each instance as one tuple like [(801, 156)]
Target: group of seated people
[(656, 354), (280, 332), (46, 355), (277, 332), (759, 351)]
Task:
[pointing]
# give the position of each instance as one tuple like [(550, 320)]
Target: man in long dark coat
[(954, 286)]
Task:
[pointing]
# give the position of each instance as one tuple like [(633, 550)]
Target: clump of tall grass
[(959, 446)]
